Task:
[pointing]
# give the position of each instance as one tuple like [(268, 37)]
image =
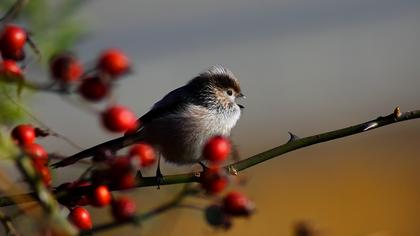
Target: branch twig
[(8, 225), (293, 144), (14, 10), (139, 218)]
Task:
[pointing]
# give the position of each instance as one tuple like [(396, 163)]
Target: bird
[(179, 125)]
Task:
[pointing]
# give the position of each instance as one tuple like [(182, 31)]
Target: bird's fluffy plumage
[(181, 122)]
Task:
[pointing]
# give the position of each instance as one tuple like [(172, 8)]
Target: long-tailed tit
[(179, 125)]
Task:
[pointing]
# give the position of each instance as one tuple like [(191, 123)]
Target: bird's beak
[(241, 95)]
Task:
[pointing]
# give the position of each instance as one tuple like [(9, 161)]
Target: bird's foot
[(203, 166)]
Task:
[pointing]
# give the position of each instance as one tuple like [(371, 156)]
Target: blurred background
[(306, 66)]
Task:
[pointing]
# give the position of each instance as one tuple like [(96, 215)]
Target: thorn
[(397, 112), (292, 137), (139, 175), (370, 125), (233, 171)]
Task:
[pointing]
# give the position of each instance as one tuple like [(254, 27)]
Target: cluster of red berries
[(24, 135), (215, 179), (234, 204), (122, 208), (116, 172), (13, 38), (96, 85), (67, 69), (120, 172)]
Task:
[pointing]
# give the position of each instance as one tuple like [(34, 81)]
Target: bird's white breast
[(180, 137)]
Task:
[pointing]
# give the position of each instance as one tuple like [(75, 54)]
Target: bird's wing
[(171, 102)]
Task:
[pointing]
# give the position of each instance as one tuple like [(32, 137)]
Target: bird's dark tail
[(112, 145)]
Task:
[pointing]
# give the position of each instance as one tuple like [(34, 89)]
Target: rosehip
[(45, 175), (145, 153), (10, 69), (217, 149), (100, 176), (126, 181), (121, 165), (214, 180), (93, 89), (23, 134), (15, 55), (114, 62), (80, 217), (123, 209), (100, 196), (13, 38), (237, 204), (66, 68), (82, 200), (122, 172), (37, 153), (119, 119), (217, 218)]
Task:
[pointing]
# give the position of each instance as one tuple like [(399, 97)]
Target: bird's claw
[(203, 166)]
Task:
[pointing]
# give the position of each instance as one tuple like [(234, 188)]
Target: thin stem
[(139, 218), (44, 126), (8, 225), (14, 10)]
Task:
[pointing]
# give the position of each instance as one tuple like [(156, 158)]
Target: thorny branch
[(293, 144)]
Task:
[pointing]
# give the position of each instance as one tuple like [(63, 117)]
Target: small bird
[(179, 125)]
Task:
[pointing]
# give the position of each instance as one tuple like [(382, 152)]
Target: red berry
[(23, 134), (121, 165), (114, 62), (216, 217), (100, 196), (45, 174), (237, 204), (15, 55), (80, 217), (119, 119), (217, 149), (93, 89), (145, 153), (78, 200), (66, 68), (122, 172), (13, 38), (126, 181), (37, 153), (123, 208), (100, 176), (214, 180), (10, 69)]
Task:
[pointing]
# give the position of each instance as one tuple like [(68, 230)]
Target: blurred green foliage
[(53, 28), (51, 23)]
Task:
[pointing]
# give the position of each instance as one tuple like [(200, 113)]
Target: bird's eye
[(229, 92)]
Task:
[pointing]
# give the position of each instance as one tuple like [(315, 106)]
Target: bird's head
[(217, 87)]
